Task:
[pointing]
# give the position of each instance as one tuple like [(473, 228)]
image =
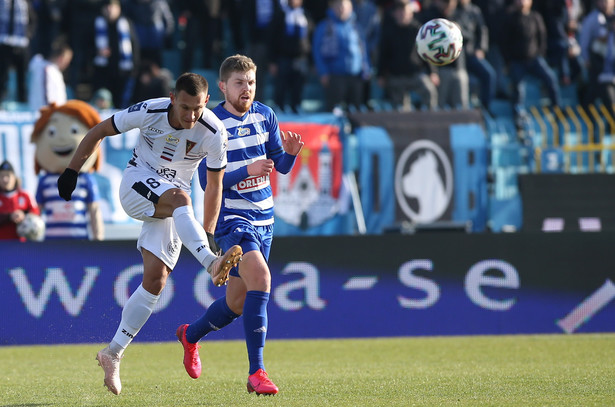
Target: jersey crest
[(189, 146)]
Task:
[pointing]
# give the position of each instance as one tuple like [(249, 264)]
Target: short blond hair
[(236, 63)]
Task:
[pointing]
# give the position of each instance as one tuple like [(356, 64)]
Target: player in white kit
[(177, 133)]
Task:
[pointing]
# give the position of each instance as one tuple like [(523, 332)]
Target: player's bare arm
[(90, 143), (291, 142), (67, 182), (212, 200)]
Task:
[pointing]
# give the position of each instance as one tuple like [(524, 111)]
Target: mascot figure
[(56, 134)]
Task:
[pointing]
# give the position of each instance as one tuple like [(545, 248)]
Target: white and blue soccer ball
[(32, 228), (439, 41)]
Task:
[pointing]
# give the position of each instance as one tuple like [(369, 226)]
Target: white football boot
[(110, 362)]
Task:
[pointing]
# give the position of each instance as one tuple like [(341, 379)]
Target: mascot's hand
[(67, 183)]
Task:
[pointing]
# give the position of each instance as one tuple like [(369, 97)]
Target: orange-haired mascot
[(56, 134)]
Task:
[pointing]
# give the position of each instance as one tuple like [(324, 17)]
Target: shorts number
[(152, 183)]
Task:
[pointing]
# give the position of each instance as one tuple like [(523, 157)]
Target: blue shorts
[(246, 235)]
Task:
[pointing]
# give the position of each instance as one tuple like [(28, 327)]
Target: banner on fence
[(424, 177), (325, 287)]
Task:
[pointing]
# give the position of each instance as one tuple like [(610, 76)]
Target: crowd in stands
[(122, 49)]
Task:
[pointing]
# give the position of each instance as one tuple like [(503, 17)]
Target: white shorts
[(139, 191)]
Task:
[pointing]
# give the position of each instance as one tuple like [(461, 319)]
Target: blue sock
[(255, 327), (217, 316)]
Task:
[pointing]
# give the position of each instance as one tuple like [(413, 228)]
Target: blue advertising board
[(365, 286)]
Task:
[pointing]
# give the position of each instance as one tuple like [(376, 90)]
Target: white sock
[(193, 235), (135, 314)]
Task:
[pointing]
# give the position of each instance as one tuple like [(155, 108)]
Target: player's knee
[(174, 198), (259, 282), (180, 198), (154, 286)]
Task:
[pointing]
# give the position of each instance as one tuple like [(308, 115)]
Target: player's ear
[(222, 87), (207, 98)]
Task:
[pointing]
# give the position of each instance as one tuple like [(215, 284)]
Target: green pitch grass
[(541, 370)]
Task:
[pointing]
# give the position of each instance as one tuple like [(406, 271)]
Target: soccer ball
[(32, 228), (439, 41)]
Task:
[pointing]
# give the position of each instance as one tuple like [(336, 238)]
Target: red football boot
[(260, 383), (192, 362)]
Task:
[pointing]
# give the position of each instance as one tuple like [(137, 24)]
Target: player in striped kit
[(176, 134), (256, 147)]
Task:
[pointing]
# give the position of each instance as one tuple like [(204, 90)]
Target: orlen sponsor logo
[(253, 183)]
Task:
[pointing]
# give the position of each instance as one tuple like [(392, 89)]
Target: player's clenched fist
[(260, 167)]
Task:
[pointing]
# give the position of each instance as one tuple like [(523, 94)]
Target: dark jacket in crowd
[(473, 27), (524, 36), (293, 44), (397, 54)]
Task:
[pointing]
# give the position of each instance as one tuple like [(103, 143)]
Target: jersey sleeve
[(274, 144), (130, 118), (216, 156)]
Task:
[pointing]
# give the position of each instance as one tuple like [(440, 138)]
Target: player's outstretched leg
[(110, 363), (221, 267), (192, 361), (260, 383)]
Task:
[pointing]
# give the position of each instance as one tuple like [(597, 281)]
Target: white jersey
[(46, 84), (171, 153)]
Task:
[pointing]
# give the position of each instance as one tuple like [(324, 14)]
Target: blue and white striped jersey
[(251, 137), (66, 220)]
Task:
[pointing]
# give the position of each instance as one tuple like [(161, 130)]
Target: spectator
[(203, 26), (476, 44), (152, 82), (79, 18), (291, 50), (593, 37), (606, 78), (234, 14), (259, 22), (368, 22), (117, 53), (494, 12), (48, 25), (317, 9), (400, 69), (562, 49), (454, 88), (524, 44), (17, 25), (15, 203), (102, 99), (46, 83), (340, 56), (154, 23)]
